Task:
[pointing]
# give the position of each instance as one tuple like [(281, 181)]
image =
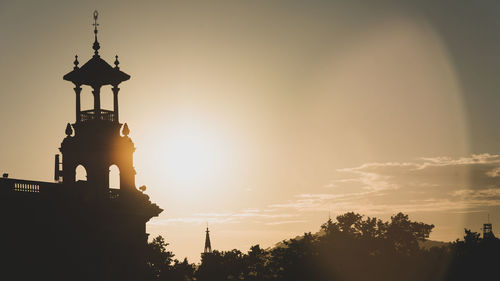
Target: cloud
[(268, 215), (484, 158), (489, 196), (285, 222), (191, 220), (493, 173), (436, 184)]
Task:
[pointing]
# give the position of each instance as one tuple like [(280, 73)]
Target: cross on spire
[(96, 45), (95, 24)]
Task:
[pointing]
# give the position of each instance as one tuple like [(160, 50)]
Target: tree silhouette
[(256, 262), (181, 271), (474, 258), (353, 247), (159, 259), (161, 265), (220, 265)]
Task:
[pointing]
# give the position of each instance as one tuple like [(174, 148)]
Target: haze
[(262, 117)]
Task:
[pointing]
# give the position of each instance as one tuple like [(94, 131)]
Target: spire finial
[(68, 130), (95, 24), (96, 46), (125, 130), (117, 62), (76, 62)]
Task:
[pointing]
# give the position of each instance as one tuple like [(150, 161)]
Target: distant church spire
[(208, 247)]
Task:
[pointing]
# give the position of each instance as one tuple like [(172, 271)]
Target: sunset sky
[(262, 117)]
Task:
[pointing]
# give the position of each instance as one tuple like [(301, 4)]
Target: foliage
[(353, 247), (474, 258), (161, 265)]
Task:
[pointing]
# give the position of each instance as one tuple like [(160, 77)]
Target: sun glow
[(189, 154)]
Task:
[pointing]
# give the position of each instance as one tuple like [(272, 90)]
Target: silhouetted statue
[(80, 230)]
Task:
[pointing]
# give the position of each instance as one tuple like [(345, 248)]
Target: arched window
[(80, 173), (114, 177)]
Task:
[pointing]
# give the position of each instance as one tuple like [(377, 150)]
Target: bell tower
[(97, 139), (112, 222)]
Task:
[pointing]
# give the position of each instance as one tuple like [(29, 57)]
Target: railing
[(26, 187), (15, 185), (92, 114), (9, 185), (114, 193)]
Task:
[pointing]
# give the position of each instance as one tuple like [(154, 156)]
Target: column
[(78, 90), (97, 102), (115, 90)]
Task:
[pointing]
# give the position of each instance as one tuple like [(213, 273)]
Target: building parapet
[(17, 185)]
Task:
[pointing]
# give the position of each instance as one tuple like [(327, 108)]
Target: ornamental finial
[(68, 130), (117, 62), (125, 130), (96, 45), (76, 62)]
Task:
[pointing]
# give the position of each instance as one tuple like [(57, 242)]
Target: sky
[(262, 118)]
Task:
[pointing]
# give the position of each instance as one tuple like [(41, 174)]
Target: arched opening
[(114, 177), (106, 98), (86, 99), (80, 173)]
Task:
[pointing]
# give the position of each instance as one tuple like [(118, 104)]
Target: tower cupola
[(96, 73), (94, 141)]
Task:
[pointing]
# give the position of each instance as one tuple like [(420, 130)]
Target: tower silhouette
[(81, 230), (97, 143), (208, 246), (488, 230)]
